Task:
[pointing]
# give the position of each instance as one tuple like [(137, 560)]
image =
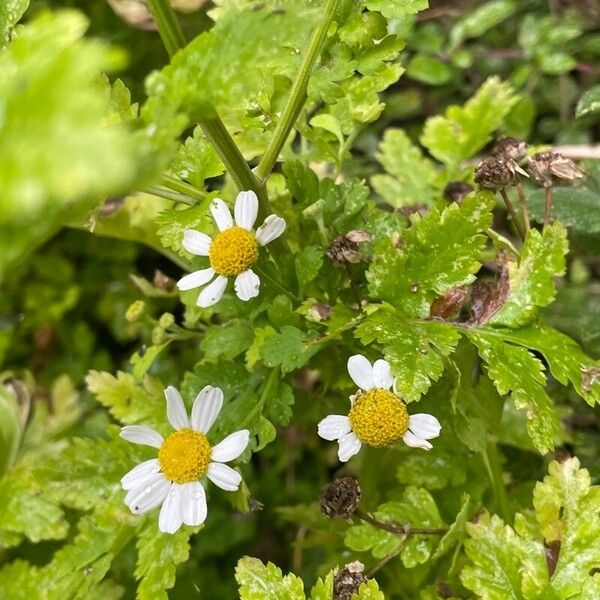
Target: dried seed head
[(498, 173), (455, 191), (162, 281), (344, 248), (340, 498), (347, 581), (358, 236), (418, 209), (549, 168), (319, 312), (510, 147)]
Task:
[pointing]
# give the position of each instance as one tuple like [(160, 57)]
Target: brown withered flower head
[(344, 248), (510, 147), (498, 173), (550, 168), (347, 581), (455, 191), (340, 498)]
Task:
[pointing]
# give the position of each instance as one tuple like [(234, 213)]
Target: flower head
[(184, 457), (378, 416), (232, 252)]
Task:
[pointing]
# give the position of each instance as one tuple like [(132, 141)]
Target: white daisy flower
[(378, 416), (233, 251), (184, 457)]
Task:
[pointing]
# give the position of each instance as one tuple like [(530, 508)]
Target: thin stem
[(386, 559), (492, 464), (276, 283), (163, 192), (298, 95), (523, 203), (177, 185), (353, 286), (168, 25), (513, 213), (403, 529), (548, 207), (236, 165)]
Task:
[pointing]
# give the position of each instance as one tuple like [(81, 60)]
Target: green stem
[(168, 25), (163, 192), (492, 464), (297, 97), (216, 132), (173, 183)]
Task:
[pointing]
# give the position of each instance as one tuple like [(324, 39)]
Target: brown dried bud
[(450, 303), (498, 173), (340, 498), (344, 248), (510, 147), (419, 209), (549, 168), (347, 581), (319, 312), (455, 191), (162, 281)]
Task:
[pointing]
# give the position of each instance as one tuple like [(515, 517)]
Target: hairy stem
[(298, 95), (548, 207), (523, 203), (513, 213)]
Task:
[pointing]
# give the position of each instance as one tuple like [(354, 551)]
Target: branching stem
[(297, 97), (401, 529)]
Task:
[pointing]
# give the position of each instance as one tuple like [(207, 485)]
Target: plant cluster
[(365, 314)]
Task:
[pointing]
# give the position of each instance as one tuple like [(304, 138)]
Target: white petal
[(140, 434), (424, 426), (382, 374), (212, 293), (224, 477), (361, 371), (334, 427), (231, 447), (147, 496), (193, 503), (139, 474), (221, 214), (247, 285), (176, 412), (206, 409), (349, 446), (271, 229), (196, 242), (246, 209), (195, 279), (169, 520), (410, 439)]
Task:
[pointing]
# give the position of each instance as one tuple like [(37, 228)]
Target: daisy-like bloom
[(378, 416), (184, 457), (233, 251)]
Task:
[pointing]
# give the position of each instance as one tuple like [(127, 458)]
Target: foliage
[(354, 121)]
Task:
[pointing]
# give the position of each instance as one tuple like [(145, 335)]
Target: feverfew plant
[(413, 270)]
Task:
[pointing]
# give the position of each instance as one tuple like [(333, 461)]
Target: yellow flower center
[(233, 251), (379, 418), (184, 456)]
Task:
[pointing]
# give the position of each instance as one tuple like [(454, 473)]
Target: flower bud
[(158, 335), (135, 311), (166, 320), (347, 581), (340, 498)]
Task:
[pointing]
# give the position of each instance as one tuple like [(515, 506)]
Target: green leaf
[(10, 428), (323, 588), (531, 280), (515, 563), (11, 12), (466, 129), (589, 103), (457, 530), (258, 581), (288, 349), (438, 252), (410, 174), (513, 369), (417, 508), (369, 590), (127, 401), (415, 351), (158, 557), (397, 9), (556, 63), (480, 20), (41, 188), (576, 208), (429, 70), (197, 160), (228, 340), (308, 264)]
